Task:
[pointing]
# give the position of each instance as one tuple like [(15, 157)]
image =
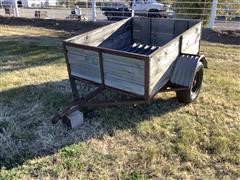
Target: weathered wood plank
[(123, 61), (180, 26), (89, 73), (159, 39), (160, 64), (124, 73), (162, 26), (124, 85), (118, 42), (192, 23), (96, 37), (141, 30), (191, 40), (75, 59), (84, 63), (81, 51)]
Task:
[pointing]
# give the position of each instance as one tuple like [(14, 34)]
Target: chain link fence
[(220, 14)]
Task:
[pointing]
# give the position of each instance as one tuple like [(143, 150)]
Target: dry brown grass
[(163, 140)]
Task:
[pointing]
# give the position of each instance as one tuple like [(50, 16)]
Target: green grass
[(165, 139)]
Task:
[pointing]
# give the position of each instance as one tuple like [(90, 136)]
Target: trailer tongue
[(137, 56)]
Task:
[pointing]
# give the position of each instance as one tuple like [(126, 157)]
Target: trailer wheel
[(109, 16), (190, 95)]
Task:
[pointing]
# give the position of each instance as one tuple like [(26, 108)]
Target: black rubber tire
[(188, 96), (109, 16)]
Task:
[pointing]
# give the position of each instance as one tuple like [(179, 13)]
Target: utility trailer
[(138, 56)]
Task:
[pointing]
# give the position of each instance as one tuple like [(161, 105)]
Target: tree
[(229, 8), (191, 9)]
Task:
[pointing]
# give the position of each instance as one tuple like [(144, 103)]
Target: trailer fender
[(203, 60), (184, 69)]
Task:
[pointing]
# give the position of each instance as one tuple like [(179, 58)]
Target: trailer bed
[(135, 55)]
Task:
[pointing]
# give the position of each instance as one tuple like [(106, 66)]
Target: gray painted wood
[(96, 37), (80, 51), (78, 59), (124, 85), (180, 26), (118, 42), (159, 39), (87, 74), (160, 65), (141, 30), (84, 63), (191, 40), (162, 25), (124, 73), (120, 38), (123, 60)]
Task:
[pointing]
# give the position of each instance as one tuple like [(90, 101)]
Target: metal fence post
[(213, 13), (133, 5), (16, 8), (94, 10), (87, 8)]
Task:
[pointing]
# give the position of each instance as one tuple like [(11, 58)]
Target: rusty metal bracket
[(85, 102)]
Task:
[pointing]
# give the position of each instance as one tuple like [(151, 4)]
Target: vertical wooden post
[(93, 10), (213, 13)]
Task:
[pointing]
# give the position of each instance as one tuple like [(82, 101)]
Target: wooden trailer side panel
[(96, 37), (141, 30), (162, 31), (121, 38), (84, 63), (124, 73), (191, 40), (161, 65)]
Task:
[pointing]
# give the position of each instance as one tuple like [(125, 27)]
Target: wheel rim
[(196, 84), (110, 16)]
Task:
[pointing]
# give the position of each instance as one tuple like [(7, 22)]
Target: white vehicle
[(152, 8)]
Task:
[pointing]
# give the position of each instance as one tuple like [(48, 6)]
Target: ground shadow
[(27, 112)]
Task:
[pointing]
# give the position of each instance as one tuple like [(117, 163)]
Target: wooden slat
[(91, 74), (134, 75), (160, 64), (191, 40), (81, 51), (84, 63), (180, 26), (118, 42), (192, 23), (162, 26), (83, 58), (141, 30), (124, 73), (96, 37), (123, 60), (159, 39), (124, 85)]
